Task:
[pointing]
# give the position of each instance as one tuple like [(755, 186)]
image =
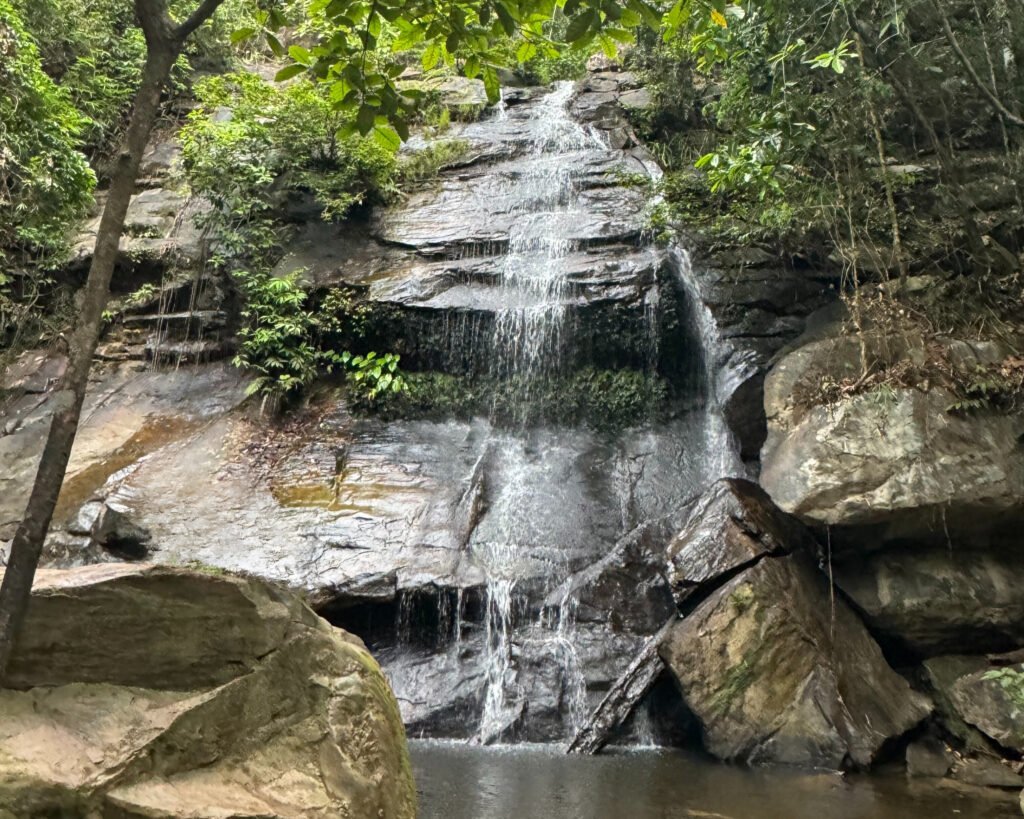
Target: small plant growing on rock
[(372, 377), (275, 342), (1011, 680)]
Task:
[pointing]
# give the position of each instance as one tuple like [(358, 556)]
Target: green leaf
[(241, 34), (299, 54), (387, 137), (288, 72), (365, 119), (275, 45), (505, 17), (526, 51), (491, 84), (431, 56), (581, 24)]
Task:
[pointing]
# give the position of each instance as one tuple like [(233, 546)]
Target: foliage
[(95, 50), (424, 164), (995, 387), (276, 339), (143, 295), (372, 377), (45, 183), (549, 64), (287, 342), (798, 121), (1011, 680), (277, 141), (469, 34)]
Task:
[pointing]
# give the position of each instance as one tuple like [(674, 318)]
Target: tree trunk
[(163, 44)]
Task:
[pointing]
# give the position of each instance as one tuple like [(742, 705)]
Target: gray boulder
[(890, 457), (974, 695), (731, 527)]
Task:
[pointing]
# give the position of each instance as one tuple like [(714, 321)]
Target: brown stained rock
[(778, 671), (194, 694)]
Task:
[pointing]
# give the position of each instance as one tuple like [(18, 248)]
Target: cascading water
[(720, 452), (528, 347), (530, 324), (547, 592)]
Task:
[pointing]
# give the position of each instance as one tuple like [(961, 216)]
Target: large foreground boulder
[(779, 670), (141, 691)]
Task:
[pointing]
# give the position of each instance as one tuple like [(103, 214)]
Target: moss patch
[(601, 399)]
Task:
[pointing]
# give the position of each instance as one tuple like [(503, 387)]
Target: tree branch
[(203, 13), (156, 24), (1001, 109)]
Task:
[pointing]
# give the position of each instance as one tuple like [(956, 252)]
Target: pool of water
[(539, 782)]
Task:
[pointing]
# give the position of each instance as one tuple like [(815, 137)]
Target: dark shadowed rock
[(987, 772), (778, 671), (625, 589), (985, 698), (937, 599), (115, 531), (940, 675), (731, 527), (929, 758), (758, 306), (626, 692)]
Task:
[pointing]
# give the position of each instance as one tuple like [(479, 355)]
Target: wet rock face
[(759, 306), (936, 599), (152, 410), (731, 527), (153, 691), (440, 261), (776, 670)]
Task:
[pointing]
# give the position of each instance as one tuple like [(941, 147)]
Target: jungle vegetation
[(881, 140)]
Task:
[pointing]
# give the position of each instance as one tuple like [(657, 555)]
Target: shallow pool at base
[(539, 782)]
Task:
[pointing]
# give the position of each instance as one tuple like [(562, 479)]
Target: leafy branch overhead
[(472, 36)]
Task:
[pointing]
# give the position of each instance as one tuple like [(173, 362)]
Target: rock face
[(980, 697), (731, 527), (443, 262), (937, 600), (155, 692), (897, 459), (758, 306), (776, 671)]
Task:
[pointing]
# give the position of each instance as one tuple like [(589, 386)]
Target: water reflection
[(539, 782)]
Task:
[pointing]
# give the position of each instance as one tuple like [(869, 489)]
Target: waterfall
[(528, 347), (530, 325), (721, 455), (539, 617)]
